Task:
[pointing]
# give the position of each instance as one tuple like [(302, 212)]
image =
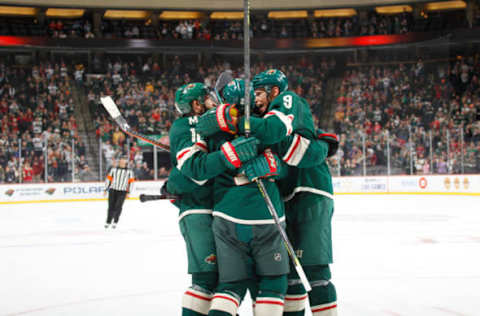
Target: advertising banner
[(360, 185), (448, 184), (439, 184), (51, 191), (45, 192)]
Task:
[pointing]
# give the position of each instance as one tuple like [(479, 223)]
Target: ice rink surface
[(394, 255)]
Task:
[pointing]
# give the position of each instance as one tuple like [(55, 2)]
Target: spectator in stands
[(10, 175), (85, 174), (27, 172), (38, 167)]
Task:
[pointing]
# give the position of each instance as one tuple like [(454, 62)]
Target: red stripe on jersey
[(201, 145), (226, 298), (328, 135), (291, 117), (297, 142), (323, 308), (269, 302), (295, 298), (198, 296), (183, 154)]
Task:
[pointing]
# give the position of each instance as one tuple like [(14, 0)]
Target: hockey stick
[(223, 79), (153, 197), (112, 109), (261, 186)]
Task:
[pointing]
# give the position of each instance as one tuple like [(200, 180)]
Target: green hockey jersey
[(308, 169), (234, 198), (190, 153), (195, 196), (287, 114), (289, 124), (238, 200)]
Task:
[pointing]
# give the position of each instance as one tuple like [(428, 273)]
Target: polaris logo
[(83, 190)]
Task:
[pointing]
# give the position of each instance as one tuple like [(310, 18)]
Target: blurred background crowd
[(426, 111), (263, 26), (395, 113)]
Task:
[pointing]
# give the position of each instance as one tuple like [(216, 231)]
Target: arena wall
[(93, 191)]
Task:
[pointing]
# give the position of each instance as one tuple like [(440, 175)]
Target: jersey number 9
[(287, 101)]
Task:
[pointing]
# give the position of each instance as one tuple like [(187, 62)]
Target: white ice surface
[(394, 255)]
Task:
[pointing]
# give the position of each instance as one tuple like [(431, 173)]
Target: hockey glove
[(264, 166), (165, 192), (331, 139), (222, 118), (239, 151)]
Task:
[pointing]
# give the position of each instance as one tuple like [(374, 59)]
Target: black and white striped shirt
[(119, 179)]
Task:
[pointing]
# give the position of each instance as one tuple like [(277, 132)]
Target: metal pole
[(73, 160), (155, 163), (431, 151), (46, 160), (389, 170), (246, 62), (410, 145), (462, 144), (338, 163), (20, 171), (100, 166), (364, 155), (448, 151), (261, 187)]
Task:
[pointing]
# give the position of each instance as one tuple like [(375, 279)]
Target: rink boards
[(91, 191), (438, 184)]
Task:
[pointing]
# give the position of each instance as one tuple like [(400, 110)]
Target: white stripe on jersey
[(286, 120), (296, 151), (190, 212), (120, 179), (246, 221), (185, 154), (307, 189)]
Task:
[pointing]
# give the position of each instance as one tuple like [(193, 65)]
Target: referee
[(118, 185)]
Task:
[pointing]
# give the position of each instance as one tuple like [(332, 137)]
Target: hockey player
[(195, 204), (309, 197), (314, 154), (245, 233)]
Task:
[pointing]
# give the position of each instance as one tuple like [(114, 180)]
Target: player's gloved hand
[(238, 151), (266, 165), (331, 139), (222, 118), (164, 191)]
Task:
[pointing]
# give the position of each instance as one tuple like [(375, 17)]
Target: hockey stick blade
[(112, 109), (223, 79), (147, 197)]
